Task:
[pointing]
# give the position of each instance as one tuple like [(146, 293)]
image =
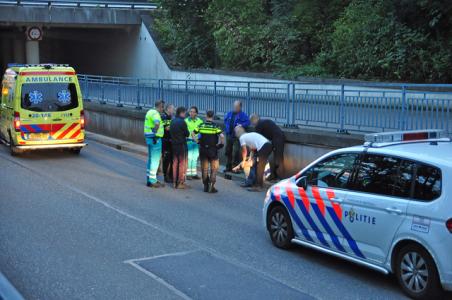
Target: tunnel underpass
[(102, 51)]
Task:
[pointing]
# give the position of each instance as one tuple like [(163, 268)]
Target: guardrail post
[(186, 94), (138, 95), (342, 111), (86, 89), (215, 104), (102, 91), (288, 106), (159, 89), (402, 117), (248, 98), (294, 98), (119, 94)]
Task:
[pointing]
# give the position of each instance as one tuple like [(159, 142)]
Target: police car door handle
[(394, 210), (56, 120), (337, 200)]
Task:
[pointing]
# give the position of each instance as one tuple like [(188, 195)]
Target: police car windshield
[(49, 97)]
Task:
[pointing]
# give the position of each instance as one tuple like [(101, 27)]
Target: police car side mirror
[(303, 182)]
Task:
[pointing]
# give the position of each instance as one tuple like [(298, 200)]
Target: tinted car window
[(404, 182), (427, 185), (333, 172), (49, 97), (379, 175)]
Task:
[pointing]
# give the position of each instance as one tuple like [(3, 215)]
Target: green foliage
[(379, 46), (404, 40)]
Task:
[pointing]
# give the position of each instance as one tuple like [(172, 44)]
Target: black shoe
[(196, 177), (152, 185), (246, 185), (212, 188), (206, 186), (159, 184)]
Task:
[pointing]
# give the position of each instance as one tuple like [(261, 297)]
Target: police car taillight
[(449, 225), (82, 119), (405, 136), (16, 121)]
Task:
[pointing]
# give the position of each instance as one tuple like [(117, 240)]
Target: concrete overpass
[(93, 36)]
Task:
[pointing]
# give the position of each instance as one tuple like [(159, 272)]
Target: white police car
[(386, 205)]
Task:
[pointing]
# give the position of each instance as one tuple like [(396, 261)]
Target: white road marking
[(133, 260), (161, 281), (156, 227), (134, 263)]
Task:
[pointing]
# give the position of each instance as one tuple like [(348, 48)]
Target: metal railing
[(144, 5), (358, 107)]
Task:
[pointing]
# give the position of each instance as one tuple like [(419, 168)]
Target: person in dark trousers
[(273, 133), (231, 120), (179, 134), (259, 147), (167, 152), (210, 139)]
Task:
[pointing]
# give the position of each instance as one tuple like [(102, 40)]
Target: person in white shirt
[(259, 146)]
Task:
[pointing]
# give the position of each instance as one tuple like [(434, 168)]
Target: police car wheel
[(280, 227), (417, 273)]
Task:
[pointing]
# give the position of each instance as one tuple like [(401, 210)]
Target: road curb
[(117, 144), (7, 290), (141, 150)]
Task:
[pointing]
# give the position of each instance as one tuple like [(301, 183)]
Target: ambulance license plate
[(39, 136)]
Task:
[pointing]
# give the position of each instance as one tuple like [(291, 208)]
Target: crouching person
[(210, 138), (259, 147)]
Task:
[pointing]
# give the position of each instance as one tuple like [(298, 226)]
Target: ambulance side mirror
[(303, 182)]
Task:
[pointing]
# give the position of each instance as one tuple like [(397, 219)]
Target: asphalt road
[(86, 227)]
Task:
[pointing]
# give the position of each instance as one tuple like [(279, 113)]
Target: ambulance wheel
[(76, 151), (417, 274), (280, 227), (12, 148)]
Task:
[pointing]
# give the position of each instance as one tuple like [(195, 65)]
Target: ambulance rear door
[(51, 109)]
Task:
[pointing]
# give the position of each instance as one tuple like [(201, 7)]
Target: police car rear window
[(392, 176), (427, 184), (49, 97)]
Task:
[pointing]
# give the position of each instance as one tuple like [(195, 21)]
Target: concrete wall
[(303, 146), (82, 16), (146, 60)]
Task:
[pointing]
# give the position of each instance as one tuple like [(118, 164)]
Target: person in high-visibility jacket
[(193, 122), (153, 133)]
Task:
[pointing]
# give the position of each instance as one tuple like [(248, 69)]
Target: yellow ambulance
[(41, 108)]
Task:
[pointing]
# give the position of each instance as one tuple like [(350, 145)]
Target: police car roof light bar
[(405, 136)]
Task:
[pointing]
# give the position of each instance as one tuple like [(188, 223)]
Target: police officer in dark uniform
[(210, 138), (167, 152), (273, 133)]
